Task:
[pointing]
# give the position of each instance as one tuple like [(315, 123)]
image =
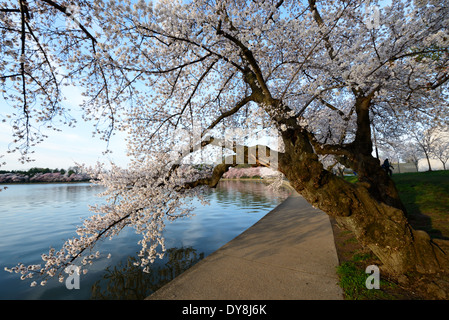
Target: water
[(35, 217)]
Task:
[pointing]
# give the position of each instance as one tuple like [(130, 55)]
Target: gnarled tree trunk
[(370, 208)]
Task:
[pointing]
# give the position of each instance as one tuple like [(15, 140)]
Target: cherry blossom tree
[(432, 142), (411, 152), (425, 140), (320, 73), (441, 148)]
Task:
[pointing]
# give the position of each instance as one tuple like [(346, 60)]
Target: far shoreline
[(285, 183), (45, 182)]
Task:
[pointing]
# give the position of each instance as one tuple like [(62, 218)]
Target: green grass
[(426, 198), (427, 191), (351, 179), (353, 280)]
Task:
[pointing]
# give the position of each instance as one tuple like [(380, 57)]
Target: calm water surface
[(35, 217)]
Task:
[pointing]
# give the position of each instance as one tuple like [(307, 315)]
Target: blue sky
[(72, 145), (66, 148)]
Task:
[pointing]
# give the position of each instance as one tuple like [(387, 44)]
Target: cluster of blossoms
[(276, 179), (144, 198), (54, 263), (263, 172), (153, 69), (42, 177)]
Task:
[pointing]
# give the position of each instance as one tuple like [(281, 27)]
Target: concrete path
[(287, 255)]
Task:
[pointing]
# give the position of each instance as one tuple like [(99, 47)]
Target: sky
[(66, 148), (63, 149)]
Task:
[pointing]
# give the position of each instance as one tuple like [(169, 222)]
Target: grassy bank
[(426, 198)]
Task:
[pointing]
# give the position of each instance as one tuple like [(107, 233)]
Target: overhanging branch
[(258, 155), (327, 149)]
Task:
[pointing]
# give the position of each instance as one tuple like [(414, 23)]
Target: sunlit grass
[(426, 198)]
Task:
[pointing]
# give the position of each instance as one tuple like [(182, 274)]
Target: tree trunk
[(370, 208), (416, 165), (428, 160)]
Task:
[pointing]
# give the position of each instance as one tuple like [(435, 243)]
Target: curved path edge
[(289, 254)]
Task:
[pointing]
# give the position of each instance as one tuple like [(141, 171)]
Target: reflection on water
[(249, 194), (34, 217), (125, 281), (206, 233)]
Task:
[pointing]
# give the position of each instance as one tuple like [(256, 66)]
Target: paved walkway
[(287, 255)]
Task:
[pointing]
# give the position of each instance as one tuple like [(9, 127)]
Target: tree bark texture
[(376, 217)]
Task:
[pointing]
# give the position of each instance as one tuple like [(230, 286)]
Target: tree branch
[(6, 10), (24, 14), (65, 10), (250, 155), (325, 149), (202, 46), (230, 112), (195, 88), (249, 58), (319, 21)]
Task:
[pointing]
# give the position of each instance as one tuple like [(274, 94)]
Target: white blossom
[(171, 73)]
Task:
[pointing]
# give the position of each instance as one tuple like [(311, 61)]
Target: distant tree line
[(33, 171), (35, 174), (422, 142)]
